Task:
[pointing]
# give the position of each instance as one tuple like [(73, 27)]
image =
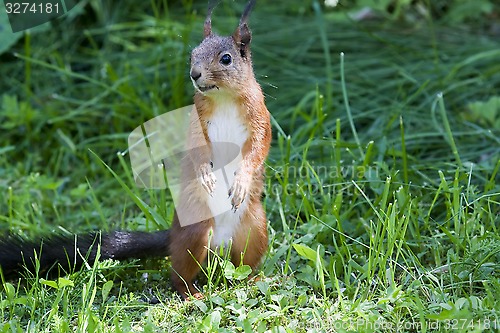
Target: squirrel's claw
[(207, 178), (239, 191)]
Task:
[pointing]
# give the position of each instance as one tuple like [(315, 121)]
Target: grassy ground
[(382, 184)]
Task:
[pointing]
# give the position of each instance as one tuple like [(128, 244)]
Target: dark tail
[(69, 253)]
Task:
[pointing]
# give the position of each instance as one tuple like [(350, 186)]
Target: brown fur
[(189, 244)]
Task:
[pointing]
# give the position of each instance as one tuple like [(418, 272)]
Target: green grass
[(382, 183)]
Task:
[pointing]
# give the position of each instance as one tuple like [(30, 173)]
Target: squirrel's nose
[(195, 73)]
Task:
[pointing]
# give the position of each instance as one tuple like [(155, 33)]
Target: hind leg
[(250, 241), (188, 250)]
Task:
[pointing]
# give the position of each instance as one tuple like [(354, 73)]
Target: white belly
[(227, 133)]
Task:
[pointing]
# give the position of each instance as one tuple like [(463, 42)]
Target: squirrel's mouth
[(203, 88), (207, 88)]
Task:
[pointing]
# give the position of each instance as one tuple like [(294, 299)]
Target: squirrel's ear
[(242, 35), (207, 27)]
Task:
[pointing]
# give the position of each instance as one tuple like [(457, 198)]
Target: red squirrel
[(230, 109)]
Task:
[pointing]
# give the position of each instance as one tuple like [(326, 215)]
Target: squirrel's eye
[(226, 59)]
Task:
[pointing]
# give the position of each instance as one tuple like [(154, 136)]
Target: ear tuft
[(246, 12), (207, 27), (242, 36)]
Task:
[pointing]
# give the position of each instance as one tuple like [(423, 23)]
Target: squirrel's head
[(223, 63)]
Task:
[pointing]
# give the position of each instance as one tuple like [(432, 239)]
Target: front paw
[(207, 177), (239, 190)]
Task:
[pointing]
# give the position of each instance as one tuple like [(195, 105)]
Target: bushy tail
[(69, 253)]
